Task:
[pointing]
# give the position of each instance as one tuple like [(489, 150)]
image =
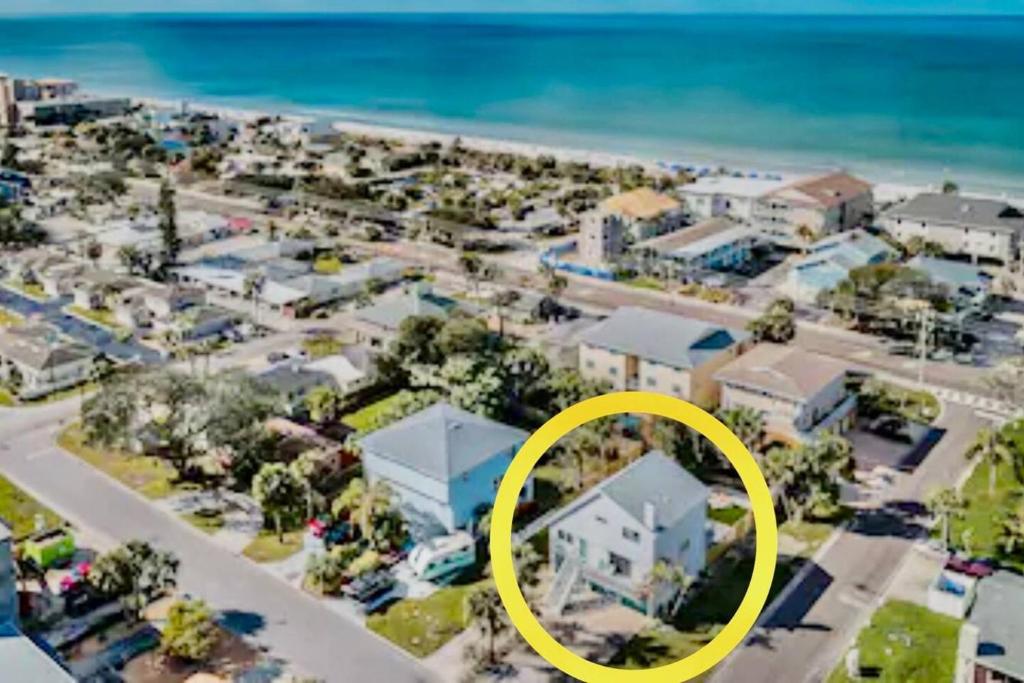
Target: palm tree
[(364, 504), (252, 288), (990, 446), (746, 423), (665, 575), (305, 468), (484, 610), (472, 266), (502, 300), (1011, 536), (806, 235), (946, 504), (577, 449), (128, 256)]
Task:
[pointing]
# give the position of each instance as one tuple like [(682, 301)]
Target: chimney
[(650, 516)]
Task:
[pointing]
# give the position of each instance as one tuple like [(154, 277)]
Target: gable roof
[(954, 209), (657, 479), (442, 441), (661, 337), (389, 313), (40, 347), (643, 203), (1000, 622), (783, 371)]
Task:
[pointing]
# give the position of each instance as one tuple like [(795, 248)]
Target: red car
[(979, 569)]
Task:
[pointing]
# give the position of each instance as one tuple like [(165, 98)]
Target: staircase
[(562, 586)]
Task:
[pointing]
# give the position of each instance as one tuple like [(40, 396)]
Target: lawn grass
[(811, 534), (103, 317), (906, 643), (727, 515), (19, 510), (32, 290), (207, 522), (421, 627), (984, 510), (321, 346), (646, 282), (7, 399), (150, 476), (9, 319), (267, 548), (327, 265), (702, 617), (365, 418)]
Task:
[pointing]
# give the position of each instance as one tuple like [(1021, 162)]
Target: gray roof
[(661, 337), (23, 660), (966, 211), (951, 273), (389, 313), (40, 347), (998, 613), (442, 441), (658, 479)]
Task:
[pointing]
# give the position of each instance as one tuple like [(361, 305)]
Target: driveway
[(293, 626), (95, 336)]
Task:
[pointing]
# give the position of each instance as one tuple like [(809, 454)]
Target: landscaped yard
[(209, 522), (984, 512), (699, 620), (7, 398), (268, 548), (364, 418), (19, 509), (727, 515), (150, 476), (423, 626), (33, 290), (322, 345), (646, 282), (912, 404), (906, 643)]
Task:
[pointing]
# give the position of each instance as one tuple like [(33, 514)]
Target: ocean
[(900, 98)]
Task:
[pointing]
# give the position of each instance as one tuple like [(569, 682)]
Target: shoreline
[(891, 183)]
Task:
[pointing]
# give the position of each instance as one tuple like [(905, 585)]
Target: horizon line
[(485, 12)]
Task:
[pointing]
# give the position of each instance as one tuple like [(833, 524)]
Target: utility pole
[(926, 320)]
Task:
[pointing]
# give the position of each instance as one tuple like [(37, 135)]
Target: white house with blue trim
[(830, 260), (444, 465), (611, 537)]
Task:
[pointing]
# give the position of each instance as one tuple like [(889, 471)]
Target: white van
[(443, 555)]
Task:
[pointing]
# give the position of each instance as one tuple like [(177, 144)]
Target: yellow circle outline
[(766, 547)]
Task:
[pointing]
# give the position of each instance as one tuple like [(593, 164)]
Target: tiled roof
[(643, 203)]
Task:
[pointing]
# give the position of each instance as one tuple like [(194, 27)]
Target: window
[(676, 389), (613, 371), (564, 535), (620, 565), (652, 382), (601, 519), (630, 535), (590, 363)]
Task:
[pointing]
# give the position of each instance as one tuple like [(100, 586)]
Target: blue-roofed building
[(967, 284), (640, 348), (444, 465), (829, 261), (613, 535)]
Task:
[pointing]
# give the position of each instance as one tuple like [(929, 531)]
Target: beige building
[(8, 109), (625, 219), (643, 349), (799, 394), (980, 228), (823, 204)]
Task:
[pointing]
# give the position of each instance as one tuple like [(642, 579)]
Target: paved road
[(294, 627), (807, 635)]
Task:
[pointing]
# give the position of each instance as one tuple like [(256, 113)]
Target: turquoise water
[(915, 96)]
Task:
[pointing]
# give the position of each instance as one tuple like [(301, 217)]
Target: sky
[(20, 7)]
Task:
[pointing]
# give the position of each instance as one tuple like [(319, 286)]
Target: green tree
[(806, 477), (502, 301), (484, 610), (277, 490), (946, 505), (369, 508), (323, 403), (991, 447), (472, 267), (136, 573), (777, 324), (190, 633), (746, 423), (1011, 533), (170, 240), (666, 577)]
